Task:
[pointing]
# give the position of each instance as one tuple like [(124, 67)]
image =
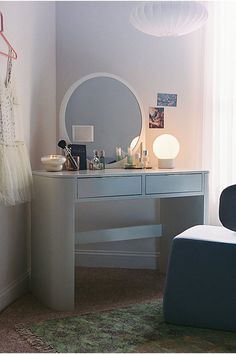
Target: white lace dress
[(15, 170)]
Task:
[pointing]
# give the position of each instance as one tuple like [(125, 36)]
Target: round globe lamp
[(166, 148)]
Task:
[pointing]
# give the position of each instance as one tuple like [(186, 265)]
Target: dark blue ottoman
[(200, 286)]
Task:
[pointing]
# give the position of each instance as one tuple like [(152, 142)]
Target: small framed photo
[(156, 117), (167, 99)]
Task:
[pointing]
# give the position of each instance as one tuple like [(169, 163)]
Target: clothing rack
[(12, 53)]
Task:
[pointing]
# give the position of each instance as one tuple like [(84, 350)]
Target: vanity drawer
[(98, 187), (174, 183)]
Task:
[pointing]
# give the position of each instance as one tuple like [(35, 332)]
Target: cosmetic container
[(118, 154), (96, 160), (102, 160), (129, 157), (138, 160), (145, 159), (69, 164)]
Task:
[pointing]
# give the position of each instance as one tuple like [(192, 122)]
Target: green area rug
[(139, 328)]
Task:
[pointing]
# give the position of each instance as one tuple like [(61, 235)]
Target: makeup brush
[(62, 145)]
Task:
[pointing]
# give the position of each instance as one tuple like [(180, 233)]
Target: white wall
[(30, 28), (97, 37)]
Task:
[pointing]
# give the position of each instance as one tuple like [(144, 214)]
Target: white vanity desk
[(183, 198)]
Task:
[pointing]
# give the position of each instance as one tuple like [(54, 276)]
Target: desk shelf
[(118, 234), (53, 218)]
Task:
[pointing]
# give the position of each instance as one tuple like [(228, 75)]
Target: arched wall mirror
[(107, 105)]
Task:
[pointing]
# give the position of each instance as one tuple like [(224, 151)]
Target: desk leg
[(177, 215), (52, 243)]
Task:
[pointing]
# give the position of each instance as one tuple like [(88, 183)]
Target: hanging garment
[(15, 170)]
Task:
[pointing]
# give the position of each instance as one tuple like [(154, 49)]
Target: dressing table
[(183, 199), (110, 106)]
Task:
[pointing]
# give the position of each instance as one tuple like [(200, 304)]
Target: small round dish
[(53, 163)]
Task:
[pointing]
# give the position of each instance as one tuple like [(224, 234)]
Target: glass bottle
[(145, 159), (138, 160), (129, 157), (102, 160), (96, 161), (118, 153)]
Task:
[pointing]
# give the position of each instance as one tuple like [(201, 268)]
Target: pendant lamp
[(168, 18)]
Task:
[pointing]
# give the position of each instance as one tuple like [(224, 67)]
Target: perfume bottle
[(118, 153), (145, 159), (138, 160), (129, 157), (96, 161), (102, 160)]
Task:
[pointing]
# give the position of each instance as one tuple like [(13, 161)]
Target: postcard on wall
[(167, 99), (156, 117)]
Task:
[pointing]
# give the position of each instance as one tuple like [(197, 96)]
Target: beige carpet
[(96, 289)]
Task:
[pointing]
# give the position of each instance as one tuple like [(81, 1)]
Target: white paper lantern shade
[(168, 18)]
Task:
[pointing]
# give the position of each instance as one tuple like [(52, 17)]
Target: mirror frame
[(62, 124)]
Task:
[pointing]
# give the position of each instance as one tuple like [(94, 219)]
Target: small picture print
[(156, 117), (167, 99)]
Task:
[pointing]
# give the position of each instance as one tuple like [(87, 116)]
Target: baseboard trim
[(15, 289), (116, 259)]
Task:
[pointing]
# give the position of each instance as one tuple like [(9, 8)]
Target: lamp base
[(166, 163)]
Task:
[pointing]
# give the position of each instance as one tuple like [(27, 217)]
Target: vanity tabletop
[(115, 172)]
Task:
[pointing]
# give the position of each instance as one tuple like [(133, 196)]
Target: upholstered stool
[(201, 278)]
